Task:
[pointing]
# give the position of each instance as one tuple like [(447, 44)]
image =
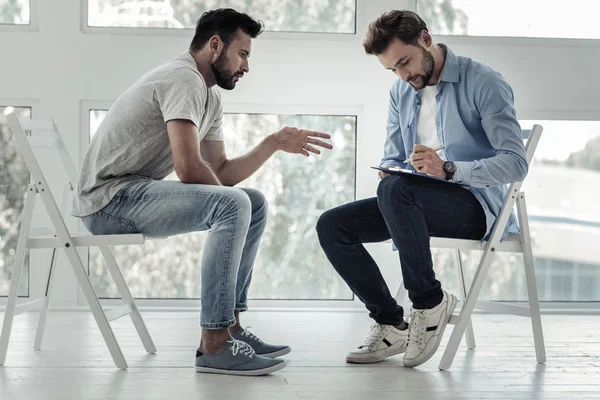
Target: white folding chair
[(45, 134), (514, 243)]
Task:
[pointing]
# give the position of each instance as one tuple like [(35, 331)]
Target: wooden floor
[(75, 364)]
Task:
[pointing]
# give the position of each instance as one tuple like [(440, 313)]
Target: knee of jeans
[(239, 203), (393, 187), (258, 201), (326, 225)]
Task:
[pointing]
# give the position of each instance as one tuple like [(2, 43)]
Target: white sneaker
[(425, 330), (383, 341)]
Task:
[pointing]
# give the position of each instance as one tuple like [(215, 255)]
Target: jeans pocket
[(102, 223), (469, 231)]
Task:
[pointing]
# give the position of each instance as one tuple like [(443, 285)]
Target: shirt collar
[(451, 69)]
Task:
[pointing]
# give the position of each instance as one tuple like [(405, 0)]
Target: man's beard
[(223, 76), (427, 65)]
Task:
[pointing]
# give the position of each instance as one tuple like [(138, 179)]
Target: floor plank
[(75, 364)]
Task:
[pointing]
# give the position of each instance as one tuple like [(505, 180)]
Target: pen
[(435, 149)]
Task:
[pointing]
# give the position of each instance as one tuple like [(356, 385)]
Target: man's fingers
[(304, 152), (320, 143), (312, 149), (421, 157), (317, 134), (419, 154), (421, 163)]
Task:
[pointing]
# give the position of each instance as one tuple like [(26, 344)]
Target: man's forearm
[(201, 173), (236, 170)]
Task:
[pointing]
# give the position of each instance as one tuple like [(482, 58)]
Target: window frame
[(359, 21), (34, 23), (37, 283)]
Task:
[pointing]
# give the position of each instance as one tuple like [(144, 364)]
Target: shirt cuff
[(463, 172)]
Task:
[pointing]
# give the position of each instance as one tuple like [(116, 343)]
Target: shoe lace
[(246, 332), (237, 346), (376, 334), (417, 328)]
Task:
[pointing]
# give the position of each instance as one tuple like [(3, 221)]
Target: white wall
[(60, 66)]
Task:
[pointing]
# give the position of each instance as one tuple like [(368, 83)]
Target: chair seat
[(512, 244), (86, 240)]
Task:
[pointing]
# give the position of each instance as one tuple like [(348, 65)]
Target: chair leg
[(99, 315), (534, 303), (467, 309), (463, 290), (9, 314), (125, 293), (39, 334)]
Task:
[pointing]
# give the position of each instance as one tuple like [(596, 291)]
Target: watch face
[(450, 167)]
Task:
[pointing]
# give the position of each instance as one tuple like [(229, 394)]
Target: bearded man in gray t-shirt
[(171, 119)]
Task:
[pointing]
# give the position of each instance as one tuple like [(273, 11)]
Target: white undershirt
[(426, 128)]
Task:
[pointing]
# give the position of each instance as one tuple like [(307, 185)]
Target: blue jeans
[(235, 217), (407, 209)]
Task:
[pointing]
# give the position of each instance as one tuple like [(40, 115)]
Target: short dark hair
[(401, 24), (224, 22)]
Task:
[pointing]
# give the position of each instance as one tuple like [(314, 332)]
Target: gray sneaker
[(237, 358), (261, 348)]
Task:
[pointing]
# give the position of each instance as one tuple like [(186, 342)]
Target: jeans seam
[(170, 194), (228, 250)]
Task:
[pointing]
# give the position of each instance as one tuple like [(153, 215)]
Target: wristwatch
[(450, 169)]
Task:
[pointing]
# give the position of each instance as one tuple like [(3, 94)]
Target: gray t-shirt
[(132, 143)]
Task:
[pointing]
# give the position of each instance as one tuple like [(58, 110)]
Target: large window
[(14, 179), (15, 12), (563, 194), (327, 16), (521, 18), (290, 263)]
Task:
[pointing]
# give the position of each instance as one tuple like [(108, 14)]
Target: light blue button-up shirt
[(475, 120)]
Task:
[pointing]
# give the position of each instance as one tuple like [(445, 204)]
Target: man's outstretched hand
[(300, 141)]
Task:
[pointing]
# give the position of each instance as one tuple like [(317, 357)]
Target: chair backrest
[(532, 136), (43, 134)]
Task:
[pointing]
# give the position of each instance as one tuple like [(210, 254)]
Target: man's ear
[(426, 37), (215, 44)]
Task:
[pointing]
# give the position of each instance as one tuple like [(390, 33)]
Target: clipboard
[(402, 171)]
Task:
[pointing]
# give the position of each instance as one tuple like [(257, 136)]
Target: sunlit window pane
[(14, 179), (328, 16), (15, 12), (521, 18)]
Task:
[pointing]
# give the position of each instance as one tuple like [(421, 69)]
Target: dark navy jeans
[(407, 209)]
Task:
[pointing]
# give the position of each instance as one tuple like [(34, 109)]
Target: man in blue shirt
[(441, 101)]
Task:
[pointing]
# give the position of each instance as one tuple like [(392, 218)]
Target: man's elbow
[(521, 170), (186, 173)]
